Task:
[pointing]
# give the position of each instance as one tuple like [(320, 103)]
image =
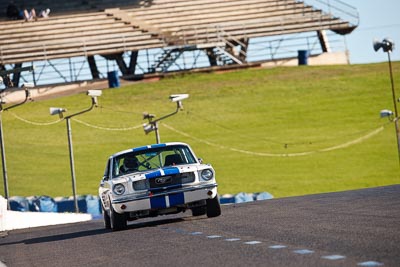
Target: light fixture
[(148, 128), (386, 113), (153, 124), (59, 111), (3, 153), (94, 94), (178, 98), (387, 46)]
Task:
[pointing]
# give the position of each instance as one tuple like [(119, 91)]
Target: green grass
[(233, 120)]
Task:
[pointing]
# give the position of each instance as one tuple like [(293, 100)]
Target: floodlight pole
[(3, 152), (71, 151)]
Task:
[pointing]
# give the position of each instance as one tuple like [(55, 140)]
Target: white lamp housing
[(178, 97), (148, 128), (55, 111), (94, 93), (386, 113)]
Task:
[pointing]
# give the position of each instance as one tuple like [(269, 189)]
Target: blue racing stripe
[(171, 170), (141, 148), (176, 199), (158, 145), (158, 202), (153, 174)]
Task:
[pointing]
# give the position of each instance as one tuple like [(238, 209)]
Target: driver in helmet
[(131, 164)]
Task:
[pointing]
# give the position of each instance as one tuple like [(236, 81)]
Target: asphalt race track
[(353, 228)]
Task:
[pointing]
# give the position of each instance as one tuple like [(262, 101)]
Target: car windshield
[(152, 158)]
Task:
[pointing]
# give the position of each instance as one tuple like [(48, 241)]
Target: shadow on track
[(92, 232)]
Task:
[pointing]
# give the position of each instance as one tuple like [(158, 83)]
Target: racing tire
[(117, 221), (106, 218), (199, 211), (213, 207)]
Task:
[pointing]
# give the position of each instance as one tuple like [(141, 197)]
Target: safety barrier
[(86, 204), (92, 205), (244, 197)]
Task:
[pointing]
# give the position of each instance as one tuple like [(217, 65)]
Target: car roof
[(140, 148)]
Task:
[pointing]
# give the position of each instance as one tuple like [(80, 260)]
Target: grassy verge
[(288, 131)]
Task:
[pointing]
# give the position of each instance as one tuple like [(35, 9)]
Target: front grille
[(141, 185), (164, 181)]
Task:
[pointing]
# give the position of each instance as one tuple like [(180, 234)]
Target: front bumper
[(165, 199)]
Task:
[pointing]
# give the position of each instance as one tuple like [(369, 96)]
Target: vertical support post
[(33, 75), (70, 70), (72, 165), (211, 57), (93, 67), (121, 64), (323, 40), (133, 62), (149, 68), (157, 133), (243, 49), (3, 161), (396, 114), (16, 75)]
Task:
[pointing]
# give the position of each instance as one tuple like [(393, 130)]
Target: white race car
[(156, 180)]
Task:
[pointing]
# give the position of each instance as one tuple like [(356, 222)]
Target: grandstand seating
[(69, 36), (106, 27), (203, 20)]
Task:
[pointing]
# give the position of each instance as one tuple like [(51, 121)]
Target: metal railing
[(261, 49), (336, 8)]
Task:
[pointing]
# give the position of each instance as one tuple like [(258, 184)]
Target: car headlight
[(207, 174), (119, 189)]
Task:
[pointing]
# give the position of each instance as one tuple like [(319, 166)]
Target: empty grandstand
[(85, 40)]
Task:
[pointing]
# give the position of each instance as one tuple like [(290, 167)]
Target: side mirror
[(200, 160)]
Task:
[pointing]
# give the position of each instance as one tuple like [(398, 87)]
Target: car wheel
[(117, 221), (213, 207), (198, 211), (106, 218)]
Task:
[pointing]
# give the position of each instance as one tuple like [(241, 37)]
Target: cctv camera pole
[(387, 46), (3, 152), (3, 161), (157, 132), (71, 151), (396, 119), (154, 123), (72, 163), (53, 111)]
